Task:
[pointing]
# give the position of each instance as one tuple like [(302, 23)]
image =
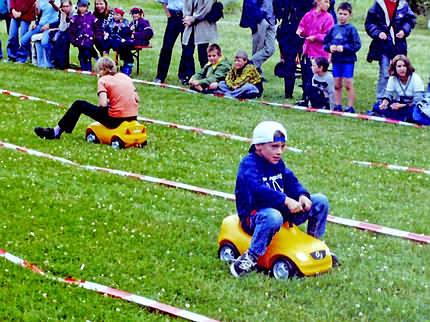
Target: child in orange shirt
[(118, 102)]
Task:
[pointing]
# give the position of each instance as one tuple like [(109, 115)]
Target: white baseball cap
[(264, 133)]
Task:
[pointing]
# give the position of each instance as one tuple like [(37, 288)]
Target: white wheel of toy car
[(117, 143), (92, 138), (228, 253), (282, 268)]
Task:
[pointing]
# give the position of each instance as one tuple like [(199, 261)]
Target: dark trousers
[(100, 114), (61, 49), (174, 28), (84, 57), (307, 75)]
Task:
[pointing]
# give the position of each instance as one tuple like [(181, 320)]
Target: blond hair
[(105, 65)]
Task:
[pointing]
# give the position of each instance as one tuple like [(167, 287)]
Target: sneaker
[(157, 80), (245, 264), (338, 108), (350, 110), (45, 133)]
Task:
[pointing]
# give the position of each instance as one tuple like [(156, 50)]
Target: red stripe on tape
[(370, 227), (117, 293)]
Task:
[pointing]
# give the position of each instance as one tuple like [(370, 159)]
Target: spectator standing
[(198, 31), (388, 23), (313, 27), (4, 15), (258, 15), (174, 28), (60, 41), (81, 32), (343, 41), (23, 12), (290, 12)]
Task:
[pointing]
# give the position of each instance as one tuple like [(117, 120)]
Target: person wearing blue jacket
[(290, 12), (268, 194), (343, 42), (388, 23)]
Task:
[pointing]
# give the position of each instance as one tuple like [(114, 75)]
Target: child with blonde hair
[(117, 102)]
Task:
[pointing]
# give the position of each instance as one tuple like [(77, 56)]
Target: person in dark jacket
[(81, 32), (388, 23), (104, 15), (290, 12), (259, 17), (343, 42), (141, 29), (268, 194)]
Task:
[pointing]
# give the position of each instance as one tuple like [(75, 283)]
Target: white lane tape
[(391, 166), (289, 106), (116, 293), (343, 221)]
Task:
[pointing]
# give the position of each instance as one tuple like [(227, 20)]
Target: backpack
[(216, 13)]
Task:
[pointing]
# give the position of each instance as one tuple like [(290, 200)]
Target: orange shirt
[(121, 92)]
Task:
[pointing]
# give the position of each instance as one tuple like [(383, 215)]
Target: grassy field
[(161, 242)]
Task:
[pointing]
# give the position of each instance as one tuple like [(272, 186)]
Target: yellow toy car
[(126, 135), (291, 252)]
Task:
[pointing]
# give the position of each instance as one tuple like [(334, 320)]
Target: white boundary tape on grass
[(116, 293), (289, 106), (391, 166), (342, 221), (164, 123)]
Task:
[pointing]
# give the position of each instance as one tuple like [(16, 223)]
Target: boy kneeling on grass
[(118, 102), (207, 80), (268, 194)]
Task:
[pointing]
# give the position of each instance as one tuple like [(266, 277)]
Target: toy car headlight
[(320, 254), (302, 256)]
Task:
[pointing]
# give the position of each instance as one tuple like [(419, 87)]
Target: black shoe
[(349, 110), (303, 103), (157, 80), (184, 81), (45, 133), (245, 264)]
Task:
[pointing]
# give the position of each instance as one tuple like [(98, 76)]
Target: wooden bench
[(136, 54)]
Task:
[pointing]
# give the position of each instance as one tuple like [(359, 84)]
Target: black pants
[(100, 114), (174, 28)]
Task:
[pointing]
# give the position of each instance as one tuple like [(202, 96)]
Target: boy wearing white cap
[(267, 194)]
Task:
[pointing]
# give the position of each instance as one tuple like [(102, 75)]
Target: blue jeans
[(384, 63), (25, 49), (245, 91), (43, 49), (403, 114), (13, 41), (267, 222)]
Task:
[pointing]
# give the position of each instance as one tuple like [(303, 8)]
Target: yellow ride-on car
[(129, 133), (291, 252)]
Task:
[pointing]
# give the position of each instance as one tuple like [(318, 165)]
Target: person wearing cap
[(141, 29), (243, 79), (81, 32), (118, 36), (268, 194)]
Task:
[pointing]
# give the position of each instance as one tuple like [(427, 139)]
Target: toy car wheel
[(228, 253), (117, 143), (283, 269), (92, 138)]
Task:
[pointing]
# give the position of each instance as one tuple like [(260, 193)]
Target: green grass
[(160, 242)]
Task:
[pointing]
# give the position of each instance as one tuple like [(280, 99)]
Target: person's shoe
[(184, 81), (245, 264), (350, 110), (45, 133), (302, 103), (338, 108), (157, 80)]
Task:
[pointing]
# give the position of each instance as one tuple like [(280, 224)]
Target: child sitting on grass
[(243, 80), (118, 102), (207, 80), (268, 194), (343, 41), (322, 90)]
